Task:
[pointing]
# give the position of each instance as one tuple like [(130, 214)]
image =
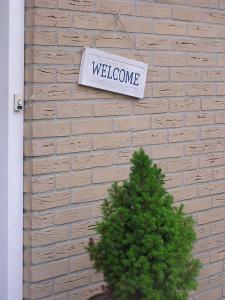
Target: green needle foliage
[(145, 245)]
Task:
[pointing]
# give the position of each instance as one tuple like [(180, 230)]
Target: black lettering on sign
[(107, 71)]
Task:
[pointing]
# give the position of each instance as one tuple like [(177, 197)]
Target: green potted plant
[(145, 242)]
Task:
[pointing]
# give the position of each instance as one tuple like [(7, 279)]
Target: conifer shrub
[(145, 242)]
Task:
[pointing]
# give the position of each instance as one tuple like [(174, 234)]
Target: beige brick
[(213, 75), (38, 220), (41, 3), (169, 59), (201, 89), (131, 123), (170, 28), (72, 180), (173, 180), (43, 184), (149, 137), (113, 40), (151, 9), (71, 281), (220, 89), (184, 193), (167, 120), (67, 74), (185, 74), (50, 200), (216, 280), (195, 176), (203, 30), (214, 294), (221, 60), (212, 132), (168, 90), (205, 3), (132, 24), (112, 108), (222, 4), (183, 134), (39, 37), (43, 111), (158, 74), (182, 164), (187, 14), (49, 236), (43, 147), (213, 159), (143, 56), (218, 200), (211, 215), (72, 215), (203, 257), (83, 229), (96, 125), (80, 5), (70, 248), (171, 150), (74, 145), (83, 92), (201, 59), (96, 277), (52, 165), (211, 188), (213, 103), (41, 289), (49, 55), (152, 42), (80, 263), (215, 16), (151, 106), (51, 17), (177, 105), (91, 160), (202, 118), (218, 227), (50, 92), (184, 44), (213, 45), (209, 243), (51, 129), (90, 193), (74, 109), (217, 254), (112, 141), (211, 269), (111, 6), (96, 21), (110, 174), (219, 173), (39, 74), (195, 205), (203, 231), (49, 270), (75, 38), (85, 293)]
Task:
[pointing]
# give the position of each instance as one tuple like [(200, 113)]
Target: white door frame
[(11, 149)]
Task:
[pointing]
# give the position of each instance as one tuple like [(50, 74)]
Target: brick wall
[(78, 139)]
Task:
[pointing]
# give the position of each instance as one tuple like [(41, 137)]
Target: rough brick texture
[(78, 139)]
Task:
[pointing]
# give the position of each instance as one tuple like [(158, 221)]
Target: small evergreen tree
[(145, 245)]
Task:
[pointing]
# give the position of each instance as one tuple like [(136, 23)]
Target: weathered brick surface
[(78, 139)]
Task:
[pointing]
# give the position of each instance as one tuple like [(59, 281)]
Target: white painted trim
[(11, 174), (15, 144)]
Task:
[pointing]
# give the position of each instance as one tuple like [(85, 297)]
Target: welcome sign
[(113, 73)]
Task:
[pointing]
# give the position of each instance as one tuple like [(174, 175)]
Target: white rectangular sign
[(113, 73)]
